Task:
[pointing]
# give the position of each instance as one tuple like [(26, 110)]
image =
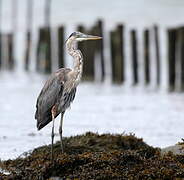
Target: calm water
[(153, 115)]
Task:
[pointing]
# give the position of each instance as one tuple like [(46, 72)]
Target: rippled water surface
[(155, 116)]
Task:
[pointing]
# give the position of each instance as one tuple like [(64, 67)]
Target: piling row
[(93, 50), (90, 49)]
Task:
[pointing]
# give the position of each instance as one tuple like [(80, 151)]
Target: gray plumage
[(52, 95)]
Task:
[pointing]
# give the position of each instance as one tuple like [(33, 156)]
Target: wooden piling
[(157, 53), (61, 46), (10, 51), (180, 38), (100, 46), (27, 51), (134, 56), (171, 58), (43, 57), (117, 55), (47, 41), (120, 30), (38, 49), (146, 57), (112, 49)]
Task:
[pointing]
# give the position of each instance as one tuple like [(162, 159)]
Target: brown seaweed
[(96, 157)]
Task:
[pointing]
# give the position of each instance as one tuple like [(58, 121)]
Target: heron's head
[(78, 36)]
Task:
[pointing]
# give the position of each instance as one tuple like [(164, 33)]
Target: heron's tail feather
[(43, 120)]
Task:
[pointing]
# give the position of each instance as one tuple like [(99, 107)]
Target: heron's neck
[(78, 60)]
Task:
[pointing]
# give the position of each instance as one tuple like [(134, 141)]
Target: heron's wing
[(51, 91)]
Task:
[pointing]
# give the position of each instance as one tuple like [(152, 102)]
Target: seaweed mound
[(96, 157)]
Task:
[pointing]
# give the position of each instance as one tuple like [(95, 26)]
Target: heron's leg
[(61, 130), (52, 133)]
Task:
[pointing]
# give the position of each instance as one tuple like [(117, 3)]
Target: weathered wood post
[(120, 30), (27, 51), (100, 46), (180, 38), (171, 58), (10, 49), (117, 55), (134, 56), (38, 50), (61, 46), (48, 58), (28, 35), (157, 52), (43, 63), (146, 57), (113, 54)]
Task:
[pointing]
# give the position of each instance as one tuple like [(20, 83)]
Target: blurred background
[(133, 79)]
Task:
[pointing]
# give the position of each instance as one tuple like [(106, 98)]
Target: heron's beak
[(85, 37)]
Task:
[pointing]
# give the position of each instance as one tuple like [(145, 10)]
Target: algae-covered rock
[(101, 157), (176, 149)]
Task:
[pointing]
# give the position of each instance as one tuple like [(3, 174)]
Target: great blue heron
[(59, 90)]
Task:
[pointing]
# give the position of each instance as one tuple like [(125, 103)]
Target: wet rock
[(176, 149)]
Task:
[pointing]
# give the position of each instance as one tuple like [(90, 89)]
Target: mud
[(99, 157)]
